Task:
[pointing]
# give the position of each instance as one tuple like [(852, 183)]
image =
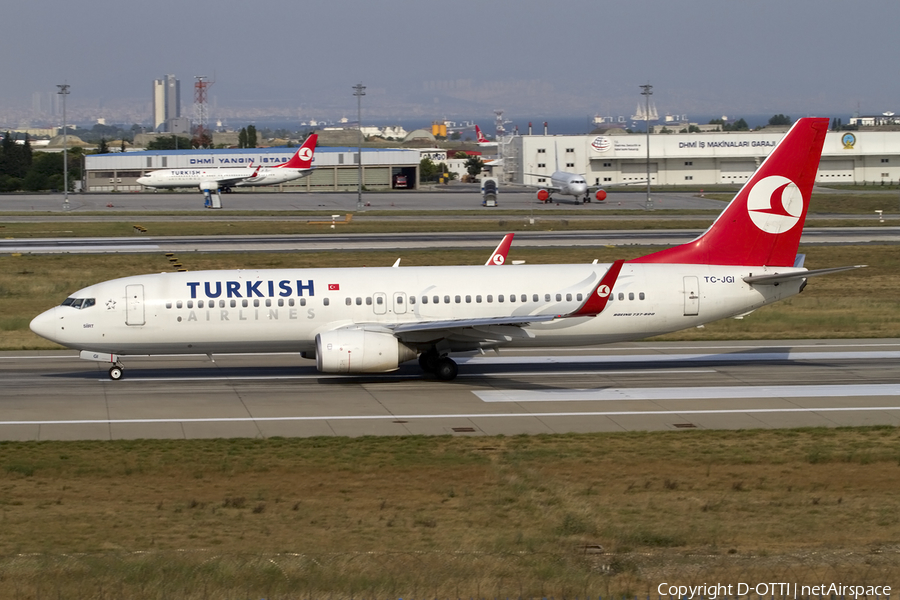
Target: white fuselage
[(225, 176), (569, 184), (282, 310)]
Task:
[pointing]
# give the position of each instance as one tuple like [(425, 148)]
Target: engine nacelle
[(543, 195), (601, 195), (360, 351)]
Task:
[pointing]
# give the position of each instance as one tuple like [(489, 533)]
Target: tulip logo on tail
[(498, 259), (775, 204), (305, 153)]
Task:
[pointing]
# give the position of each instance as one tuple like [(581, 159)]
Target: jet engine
[(601, 195), (543, 195), (360, 351)]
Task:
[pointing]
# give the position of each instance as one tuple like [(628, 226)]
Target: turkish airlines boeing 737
[(224, 178), (369, 320)]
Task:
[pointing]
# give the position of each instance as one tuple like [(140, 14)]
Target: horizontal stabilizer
[(781, 277)]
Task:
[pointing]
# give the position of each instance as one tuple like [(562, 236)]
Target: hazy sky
[(463, 58)]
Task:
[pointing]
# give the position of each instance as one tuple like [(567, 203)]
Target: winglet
[(596, 302), (303, 158), (498, 257)]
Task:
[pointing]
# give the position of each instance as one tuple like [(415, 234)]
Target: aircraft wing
[(593, 305), (535, 186)]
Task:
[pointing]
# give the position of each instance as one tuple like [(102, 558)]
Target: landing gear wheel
[(115, 373), (447, 370), (428, 361)]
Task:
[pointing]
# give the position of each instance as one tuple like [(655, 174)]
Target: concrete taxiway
[(633, 386)]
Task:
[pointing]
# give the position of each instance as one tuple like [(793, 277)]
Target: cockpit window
[(79, 303)]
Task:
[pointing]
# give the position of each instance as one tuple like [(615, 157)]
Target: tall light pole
[(64, 91), (647, 91), (359, 90)]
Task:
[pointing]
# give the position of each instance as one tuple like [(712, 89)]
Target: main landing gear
[(443, 367)]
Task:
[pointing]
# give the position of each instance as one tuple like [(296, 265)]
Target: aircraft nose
[(47, 325), (143, 180)]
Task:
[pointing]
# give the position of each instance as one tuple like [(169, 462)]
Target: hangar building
[(336, 169), (694, 158)]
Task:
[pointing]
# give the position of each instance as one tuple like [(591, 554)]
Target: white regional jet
[(369, 320), (212, 180)]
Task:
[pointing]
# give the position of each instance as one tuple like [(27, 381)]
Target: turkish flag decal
[(333, 287)]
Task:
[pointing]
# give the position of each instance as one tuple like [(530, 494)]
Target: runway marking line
[(458, 416)]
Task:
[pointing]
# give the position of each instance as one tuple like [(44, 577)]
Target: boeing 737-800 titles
[(213, 180), (369, 320)]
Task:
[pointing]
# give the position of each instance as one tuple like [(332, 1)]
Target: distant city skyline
[(433, 60)]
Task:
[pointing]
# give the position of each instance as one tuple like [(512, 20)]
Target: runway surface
[(396, 241), (634, 386), (429, 198)]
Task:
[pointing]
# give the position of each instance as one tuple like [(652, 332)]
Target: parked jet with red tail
[(370, 320)]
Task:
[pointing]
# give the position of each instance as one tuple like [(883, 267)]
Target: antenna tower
[(201, 107)]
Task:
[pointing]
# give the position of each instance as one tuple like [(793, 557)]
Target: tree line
[(25, 170)]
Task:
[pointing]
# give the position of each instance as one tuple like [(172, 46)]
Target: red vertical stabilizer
[(763, 223)]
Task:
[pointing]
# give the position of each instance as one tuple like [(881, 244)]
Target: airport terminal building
[(336, 169), (696, 158)]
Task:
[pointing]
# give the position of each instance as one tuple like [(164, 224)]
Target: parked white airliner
[(213, 180), (369, 320), (565, 184)]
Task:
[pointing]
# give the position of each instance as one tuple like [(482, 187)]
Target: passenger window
[(255, 303), (524, 298), (468, 299), (546, 297), (368, 301), (221, 303), (424, 299), (233, 303), (349, 301), (302, 301), (358, 301), (281, 302), (199, 303), (168, 304), (436, 299), (325, 301), (178, 304), (641, 296), (490, 298), (478, 298), (512, 297), (244, 303), (579, 297), (399, 300), (447, 299), (621, 296), (559, 297), (631, 295), (190, 304), (458, 299), (379, 300), (412, 299), (268, 302), (499, 297)]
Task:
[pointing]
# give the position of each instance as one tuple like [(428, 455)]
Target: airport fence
[(195, 575)]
